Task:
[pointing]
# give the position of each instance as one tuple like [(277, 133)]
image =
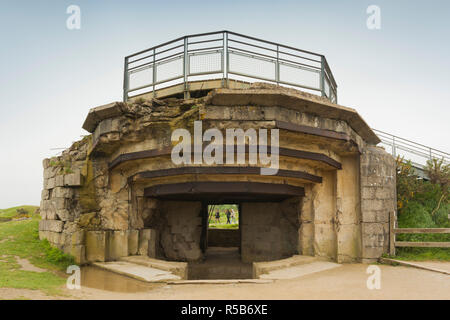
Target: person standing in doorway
[(233, 216), (228, 214), (217, 216)]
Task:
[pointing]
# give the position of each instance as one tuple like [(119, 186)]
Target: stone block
[(79, 254), (96, 246), (118, 245), (72, 179), (63, 214), (78, 237), (51, 225), (146, 237), (55, 238), (61, 192), (49, 183), (133, 242), (59, 181), (45, 194)]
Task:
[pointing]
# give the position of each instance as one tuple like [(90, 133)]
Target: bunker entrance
[(262, 225), (221, 244)]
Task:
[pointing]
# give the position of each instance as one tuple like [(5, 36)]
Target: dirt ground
[(346, 282)]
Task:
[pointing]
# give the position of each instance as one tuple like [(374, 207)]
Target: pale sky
[(397, 77)]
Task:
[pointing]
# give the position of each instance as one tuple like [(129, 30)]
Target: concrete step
[(260, 268), (298, 271), (136, 271), (178, 268)]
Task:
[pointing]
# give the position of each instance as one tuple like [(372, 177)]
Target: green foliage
[(423, 204), (21, 239), (438, 173), (222, 224), (56, 256)]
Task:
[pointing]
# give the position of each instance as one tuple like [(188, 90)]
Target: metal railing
[(416, 152), (226, 55)]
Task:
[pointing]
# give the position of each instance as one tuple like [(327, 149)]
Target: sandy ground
[(346, 282)]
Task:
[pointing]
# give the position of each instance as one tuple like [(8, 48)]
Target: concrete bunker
[(116, 193)]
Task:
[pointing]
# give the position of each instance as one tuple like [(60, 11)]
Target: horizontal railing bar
[(205, 73), (269, 58), (396, 137), (145, 57), (273, 80), (298, 63), (205, 41), (422, 244), (199, 53), (273, 43), (158, 61), (251, 52), (422, 230), (300, 66), (407, 143), (155, 83), (252, 45), (175, 40), (294, 55), (208, 48)]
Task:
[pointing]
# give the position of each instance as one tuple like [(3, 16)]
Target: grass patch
[(21, 238), (423, 254), (12, 212)]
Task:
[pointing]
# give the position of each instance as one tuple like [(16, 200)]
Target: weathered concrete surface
[(260, 268), (300, 270), (269, 230), (94, 205), (378, 199), (263, 94), (138, 272), (178, 268)]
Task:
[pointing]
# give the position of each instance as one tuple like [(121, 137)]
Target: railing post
[(394, 153), (277, 67), (224, 50), (227, 60), (154, 73), (322, 75), (392, 226), (186, 68), (125, 81)]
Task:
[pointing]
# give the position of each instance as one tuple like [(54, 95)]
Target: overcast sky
[(396, 77)]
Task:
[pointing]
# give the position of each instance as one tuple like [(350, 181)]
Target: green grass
[(222, 224), (11, 212), (21, 238), (417, 215), (423, 254)]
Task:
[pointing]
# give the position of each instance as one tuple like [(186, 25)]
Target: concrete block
[(59, 181), (72, 179), (79, 253), (61, 192), (146, 237), (133, 242), (51, 225), (96, 246), (118, 245)]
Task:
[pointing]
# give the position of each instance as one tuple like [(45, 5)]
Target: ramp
[(138, 272)]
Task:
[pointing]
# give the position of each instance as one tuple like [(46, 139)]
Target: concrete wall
[(180, 230), (378, 199), (269, 230), (324, 206)]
